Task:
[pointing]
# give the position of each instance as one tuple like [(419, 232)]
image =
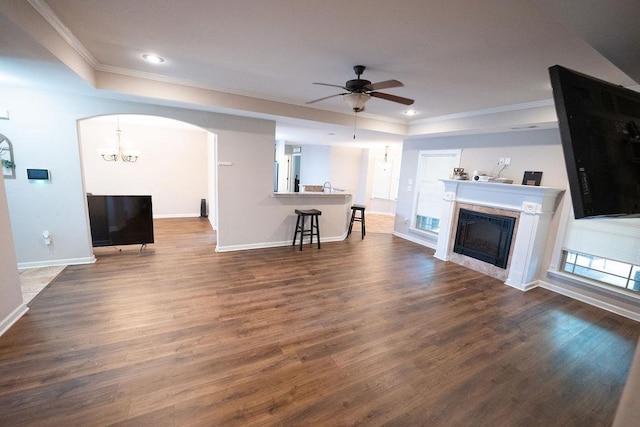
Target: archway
[(175, 165)]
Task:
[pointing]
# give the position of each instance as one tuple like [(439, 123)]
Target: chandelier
[(119, 149)]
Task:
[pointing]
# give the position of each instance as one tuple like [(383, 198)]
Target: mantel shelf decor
[(6, 158)]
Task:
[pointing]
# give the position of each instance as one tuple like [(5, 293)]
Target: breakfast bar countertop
[(312, 194)]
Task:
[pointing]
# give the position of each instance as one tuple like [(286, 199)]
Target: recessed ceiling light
[(154, 59), (410, 113)]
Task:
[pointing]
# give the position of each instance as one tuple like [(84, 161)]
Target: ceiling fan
[(359, 91)]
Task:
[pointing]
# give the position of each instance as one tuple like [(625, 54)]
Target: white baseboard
[(382, 213), (524, 287), (415, 240), (12, 318), (590, 300), (186, 215), (266, 245), (57, 262)]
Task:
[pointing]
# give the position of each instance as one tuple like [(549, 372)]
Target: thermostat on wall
[(38, 174)]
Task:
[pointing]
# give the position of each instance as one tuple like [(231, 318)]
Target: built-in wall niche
[(6, 158)]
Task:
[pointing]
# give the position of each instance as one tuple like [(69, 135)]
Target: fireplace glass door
[(485, 237)]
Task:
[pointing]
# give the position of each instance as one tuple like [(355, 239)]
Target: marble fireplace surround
[(533, 208)]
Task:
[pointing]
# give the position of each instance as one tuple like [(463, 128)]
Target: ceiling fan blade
[(328, 84), (383, 85), (326, 97), (394, 98)]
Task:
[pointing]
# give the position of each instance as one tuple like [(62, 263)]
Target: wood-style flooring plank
[(372, 331)]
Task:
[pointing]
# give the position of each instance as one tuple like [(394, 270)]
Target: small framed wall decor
[(532, 178), (7, 165)]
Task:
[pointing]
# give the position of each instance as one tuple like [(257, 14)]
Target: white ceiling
[(453, 56)]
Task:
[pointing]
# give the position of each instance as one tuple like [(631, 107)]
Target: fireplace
[(533, 208), (484, 236)]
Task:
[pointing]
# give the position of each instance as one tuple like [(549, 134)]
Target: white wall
[(344, 168), (245, 189), (11, 306), (172, 167), (341, 166), (315, 161), (43, 129), (44, 133)]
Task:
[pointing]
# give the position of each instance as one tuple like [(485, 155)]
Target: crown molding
[(486, 111), (496, 110), (49, 15)]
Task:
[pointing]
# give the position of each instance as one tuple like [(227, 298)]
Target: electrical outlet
[(501, 161), (507, 161)]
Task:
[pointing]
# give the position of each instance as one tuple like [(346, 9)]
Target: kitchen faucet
[(324, 186)]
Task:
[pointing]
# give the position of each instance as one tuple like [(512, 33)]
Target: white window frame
[(456, 154), (555, 269)]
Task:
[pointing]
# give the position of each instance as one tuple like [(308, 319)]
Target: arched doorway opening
[(175, 162)]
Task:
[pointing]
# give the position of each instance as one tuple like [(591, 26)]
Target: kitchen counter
[(306, 194), (335, 208)]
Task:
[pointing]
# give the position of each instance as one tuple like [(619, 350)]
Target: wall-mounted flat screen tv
[(600, 132), (120, 220)]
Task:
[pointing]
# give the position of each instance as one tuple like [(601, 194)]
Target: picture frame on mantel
[(532, 178)]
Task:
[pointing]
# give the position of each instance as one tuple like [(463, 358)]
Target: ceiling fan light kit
[(359, 91), (356, 100)]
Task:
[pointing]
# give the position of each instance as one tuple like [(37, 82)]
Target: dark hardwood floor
[(373, 332)]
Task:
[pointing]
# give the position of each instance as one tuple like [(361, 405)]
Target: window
[(607, 271), (432, 167), (605, 250)]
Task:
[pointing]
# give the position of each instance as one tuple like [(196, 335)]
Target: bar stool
[(354, 209), (314, 226)]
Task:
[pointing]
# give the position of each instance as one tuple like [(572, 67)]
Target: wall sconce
[(119, 149)]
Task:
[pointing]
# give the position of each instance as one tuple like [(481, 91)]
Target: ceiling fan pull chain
[(355, 123)]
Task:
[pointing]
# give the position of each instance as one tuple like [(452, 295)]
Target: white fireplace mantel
[(536, 206)]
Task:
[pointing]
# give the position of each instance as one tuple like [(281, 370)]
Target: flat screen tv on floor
[(120, 220), (600, 132)]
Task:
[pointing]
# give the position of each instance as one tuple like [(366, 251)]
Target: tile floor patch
[(34, 280)]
